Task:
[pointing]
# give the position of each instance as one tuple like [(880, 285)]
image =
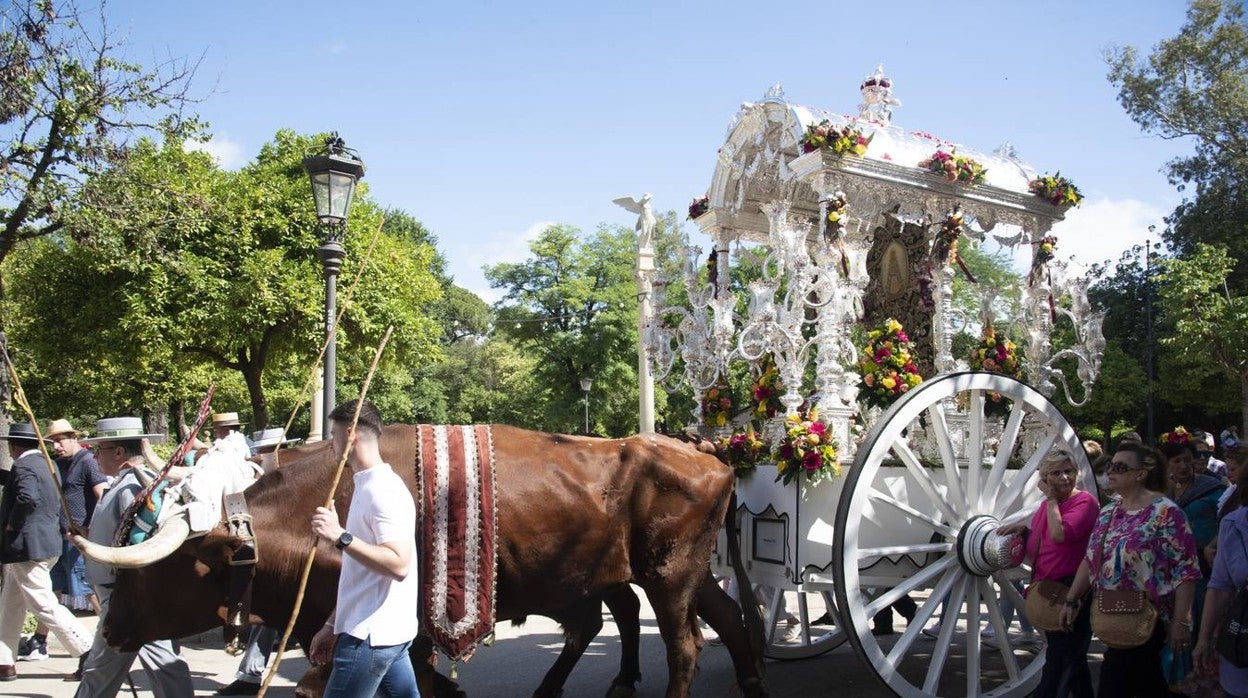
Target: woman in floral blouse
[(1140, 542)]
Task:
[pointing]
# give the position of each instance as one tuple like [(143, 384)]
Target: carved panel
[(893, 290)]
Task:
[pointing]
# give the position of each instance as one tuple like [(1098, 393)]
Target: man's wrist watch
[(1072, 603), (344, 540)]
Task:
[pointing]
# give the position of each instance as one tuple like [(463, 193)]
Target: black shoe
[(239, 688), (825, 619), (881, 630), (77, 675)]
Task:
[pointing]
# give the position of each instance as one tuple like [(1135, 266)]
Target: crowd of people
[(94, 482), (1149, 569)]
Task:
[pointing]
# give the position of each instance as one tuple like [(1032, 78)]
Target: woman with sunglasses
[(1057, 539), (1141, 542)]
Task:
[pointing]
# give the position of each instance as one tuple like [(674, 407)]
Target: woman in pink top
[(1057, 539)]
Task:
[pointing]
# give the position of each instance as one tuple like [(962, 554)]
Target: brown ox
[(578, 520)]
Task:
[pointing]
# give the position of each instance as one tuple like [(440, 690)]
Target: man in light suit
[(30, 543), (119, 441)]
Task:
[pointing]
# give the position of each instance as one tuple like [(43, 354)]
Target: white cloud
[(1102, 229), (227, 153), (467, 259)]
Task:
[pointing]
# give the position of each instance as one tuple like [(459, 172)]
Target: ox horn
[(161, 545), (141, 475)]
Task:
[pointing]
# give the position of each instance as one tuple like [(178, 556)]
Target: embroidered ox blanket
[(455, 466)]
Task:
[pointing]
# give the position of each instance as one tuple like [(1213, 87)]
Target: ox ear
[(216, 549)]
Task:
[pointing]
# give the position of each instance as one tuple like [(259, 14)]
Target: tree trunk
[(158, 422), (1243, 404), (179, 418), (253, 370)]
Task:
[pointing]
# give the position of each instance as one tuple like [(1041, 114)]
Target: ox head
[(173, 584)]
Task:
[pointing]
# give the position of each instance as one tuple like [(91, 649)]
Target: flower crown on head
[(1180, 435)]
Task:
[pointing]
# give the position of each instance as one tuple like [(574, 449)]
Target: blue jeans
[(362, 671)]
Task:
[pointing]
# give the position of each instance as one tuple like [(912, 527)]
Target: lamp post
[(333, 171), (586, 384)]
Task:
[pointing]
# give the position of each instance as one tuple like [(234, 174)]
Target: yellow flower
[(889, 382), (812, 439), (893, 326), (781, 466)]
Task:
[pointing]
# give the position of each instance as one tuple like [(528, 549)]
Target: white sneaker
[(792, 632)]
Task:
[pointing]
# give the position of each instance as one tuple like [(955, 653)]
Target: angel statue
[(645, 218)]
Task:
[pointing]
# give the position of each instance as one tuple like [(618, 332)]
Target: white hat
[(60, 426), (270, 437), (121, 429), (225, 419)]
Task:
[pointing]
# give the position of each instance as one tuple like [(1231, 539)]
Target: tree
[(1211, 325), (1194, 85), (211, 270), (68, 106)]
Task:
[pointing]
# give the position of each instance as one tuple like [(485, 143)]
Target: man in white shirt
[(376, 614)]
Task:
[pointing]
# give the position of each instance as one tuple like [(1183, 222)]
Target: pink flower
[(818, 428)]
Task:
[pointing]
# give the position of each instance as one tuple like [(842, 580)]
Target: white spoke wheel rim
[(806, 640), (908, 664)]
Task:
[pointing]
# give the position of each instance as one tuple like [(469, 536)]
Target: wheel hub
[(982, 551)]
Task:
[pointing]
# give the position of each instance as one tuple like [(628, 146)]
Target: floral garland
[(743, 451), (767, 389), (700, 205), (1056, 189), (955, 168), (717, 406), (887, 365), (842, 141), (1045, 251), (838, 211), (806, 447), (944, 249), (996, 355), (1180, 435)]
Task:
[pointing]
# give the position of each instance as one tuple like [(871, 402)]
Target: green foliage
[(571, 307), (1211, 325), (1194, 85), (69, 104), (211, 270)]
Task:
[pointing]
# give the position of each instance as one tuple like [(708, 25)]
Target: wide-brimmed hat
[(121, 429), (23, 432), (225, 419), (60, 426), (270, 437)]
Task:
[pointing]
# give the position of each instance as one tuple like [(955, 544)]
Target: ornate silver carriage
[(927, 482)]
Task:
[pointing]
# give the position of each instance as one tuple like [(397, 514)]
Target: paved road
[(513, 667)]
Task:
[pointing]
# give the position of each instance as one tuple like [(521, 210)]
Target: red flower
[(818, 428), (812, 461)]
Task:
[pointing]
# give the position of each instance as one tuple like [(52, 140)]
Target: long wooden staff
[(19, 396), (329, 502), (308, 385)]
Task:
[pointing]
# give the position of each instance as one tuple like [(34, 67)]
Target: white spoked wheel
[(935, 477), (799, 624)]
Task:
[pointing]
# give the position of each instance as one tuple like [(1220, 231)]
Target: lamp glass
[(586, 384)]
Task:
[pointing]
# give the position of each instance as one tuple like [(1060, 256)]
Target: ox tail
[(745, 593)]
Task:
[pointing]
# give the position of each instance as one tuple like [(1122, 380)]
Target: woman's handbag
[(1121, 618), (1045, 599), (1233, 637)]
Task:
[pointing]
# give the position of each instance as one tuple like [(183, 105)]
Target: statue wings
[(630, 204)]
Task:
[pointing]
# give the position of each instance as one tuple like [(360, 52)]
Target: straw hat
[(121, 429), (270, 437), (22, 432), (225, 419), (60, 426)]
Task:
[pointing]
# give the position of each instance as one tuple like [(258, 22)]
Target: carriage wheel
[(915, 521), (800, 624)]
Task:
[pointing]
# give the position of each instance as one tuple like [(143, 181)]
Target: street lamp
[(586, 384), (333, 171)]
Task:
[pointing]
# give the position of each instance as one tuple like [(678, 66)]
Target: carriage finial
[(877, 97)]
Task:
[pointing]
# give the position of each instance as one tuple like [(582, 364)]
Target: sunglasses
[(1116, 467)]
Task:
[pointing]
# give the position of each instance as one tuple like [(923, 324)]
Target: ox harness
[(242, 571)]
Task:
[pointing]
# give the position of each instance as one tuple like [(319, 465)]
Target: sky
[(488, 121)]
